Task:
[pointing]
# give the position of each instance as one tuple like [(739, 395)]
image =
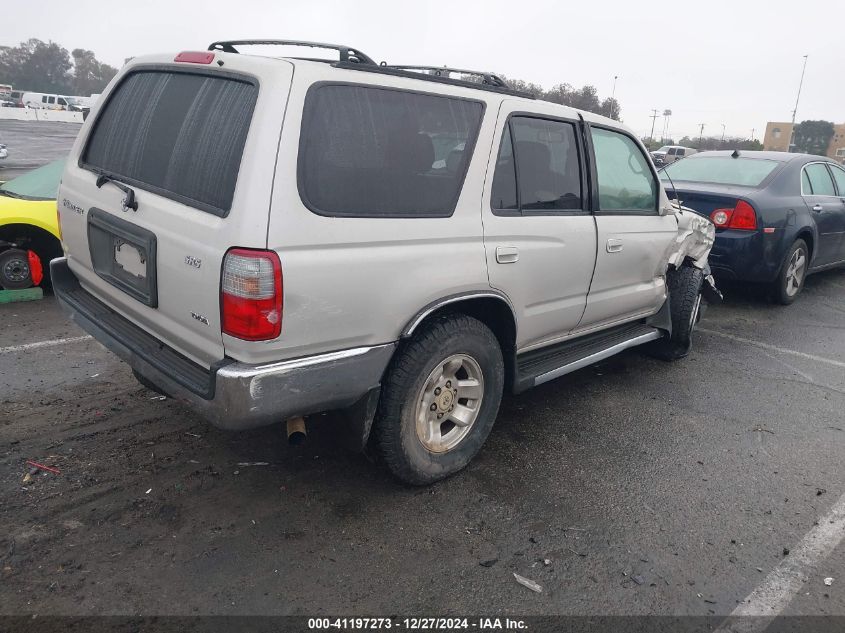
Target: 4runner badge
[(200, 318), (67, 204)]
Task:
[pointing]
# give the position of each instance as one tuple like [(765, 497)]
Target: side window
[(44, 99), (680, 152), (62, 101), (51, 100), (379, 152), (626, 184), (547, 167), (820, 179), (839, 177), (806, 187), (503, 193)]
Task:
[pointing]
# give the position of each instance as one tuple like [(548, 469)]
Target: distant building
[(778, 135)]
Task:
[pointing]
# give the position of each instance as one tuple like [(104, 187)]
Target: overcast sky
[(734, 62)]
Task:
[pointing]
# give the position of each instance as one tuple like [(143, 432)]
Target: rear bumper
[(745, 256), (230, 395)]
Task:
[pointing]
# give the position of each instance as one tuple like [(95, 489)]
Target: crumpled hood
[(695, 238)]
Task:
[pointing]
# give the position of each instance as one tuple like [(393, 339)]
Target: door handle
[(507, 254), (614, 245), (818, 208)]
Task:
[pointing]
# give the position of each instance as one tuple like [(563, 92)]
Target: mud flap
[(357, 420)]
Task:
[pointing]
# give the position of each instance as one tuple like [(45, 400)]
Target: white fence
[(31, 114)]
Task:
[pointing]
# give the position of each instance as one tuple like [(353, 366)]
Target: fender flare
[(430, 308)]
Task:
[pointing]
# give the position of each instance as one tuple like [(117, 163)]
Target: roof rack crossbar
[(439, 71), (347, 53)]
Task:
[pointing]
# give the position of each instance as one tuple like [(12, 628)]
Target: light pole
[(752, 134), (723, 133), (653, 119), (700, 134), (797, 97), (613, 93)]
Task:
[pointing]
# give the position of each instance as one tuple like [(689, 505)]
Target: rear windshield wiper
[(11, 194), (128, 202)]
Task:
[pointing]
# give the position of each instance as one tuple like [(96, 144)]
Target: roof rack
[(347, 54), (405, 71), (440, 71)]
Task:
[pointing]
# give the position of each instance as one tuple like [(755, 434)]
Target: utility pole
[(666, 115), (653, 119), (797, 97), (752, 134), (723, 132), (700, 134)]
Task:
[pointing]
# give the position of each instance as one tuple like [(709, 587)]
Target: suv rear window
[(379, 152), (175, 133)]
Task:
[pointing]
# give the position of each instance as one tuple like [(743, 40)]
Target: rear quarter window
[(179, 134), (369, 151)]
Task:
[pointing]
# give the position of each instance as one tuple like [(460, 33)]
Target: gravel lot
[(630, 487)]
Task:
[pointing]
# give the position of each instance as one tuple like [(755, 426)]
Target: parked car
[(268, 254), (4, 151), (668, 154), (29, 229), (778, 216), (16, 97)]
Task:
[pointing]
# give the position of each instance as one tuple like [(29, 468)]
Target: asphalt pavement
[(34, 143), (631, 487)]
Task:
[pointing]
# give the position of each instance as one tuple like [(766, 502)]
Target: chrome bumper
[(231, 395)]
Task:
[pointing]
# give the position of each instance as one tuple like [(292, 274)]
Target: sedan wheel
[(793, 273)]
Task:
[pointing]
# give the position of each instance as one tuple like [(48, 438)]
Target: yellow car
[(29, 227)]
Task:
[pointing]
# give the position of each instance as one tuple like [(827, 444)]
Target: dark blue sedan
[(779, 217)]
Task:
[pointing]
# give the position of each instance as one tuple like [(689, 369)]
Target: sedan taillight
[(742, 217)]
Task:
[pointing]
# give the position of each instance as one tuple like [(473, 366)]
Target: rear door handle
[(507, 254), (818, 207), (614, 245)]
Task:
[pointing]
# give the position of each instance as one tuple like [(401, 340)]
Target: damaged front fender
[(695, 238)]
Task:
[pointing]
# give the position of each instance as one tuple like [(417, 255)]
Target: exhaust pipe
[(296, 431)]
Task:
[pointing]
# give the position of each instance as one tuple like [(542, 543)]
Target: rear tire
[(423, 430), (793, 272), (685, 309), (14, 270)]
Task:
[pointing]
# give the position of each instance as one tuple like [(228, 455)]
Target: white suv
[(268, 238)]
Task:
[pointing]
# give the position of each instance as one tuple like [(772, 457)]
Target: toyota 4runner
[(268, 238)]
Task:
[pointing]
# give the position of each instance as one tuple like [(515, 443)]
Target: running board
[(547, 363)]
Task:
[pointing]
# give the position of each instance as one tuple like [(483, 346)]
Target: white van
[(42, 101)]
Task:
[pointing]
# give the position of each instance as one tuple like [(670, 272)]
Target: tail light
[(251, 294), (742, 217)]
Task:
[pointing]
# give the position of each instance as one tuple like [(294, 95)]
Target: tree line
[(39, 66), (584, 98)]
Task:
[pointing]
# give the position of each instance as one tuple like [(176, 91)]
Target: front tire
[(793, 272), (439, 400), (685, 309)]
